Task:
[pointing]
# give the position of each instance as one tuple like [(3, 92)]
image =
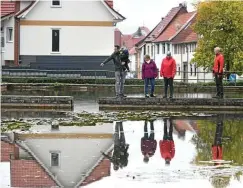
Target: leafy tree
[(219, 23)]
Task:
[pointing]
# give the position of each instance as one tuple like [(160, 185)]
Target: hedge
[(103, 81)]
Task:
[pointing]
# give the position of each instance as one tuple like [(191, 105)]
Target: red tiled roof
[(28, 173), (179, 21), (110, 3), (186, 35), (132, 51), (164, 23), (130, 42), (8, 149), (7, 8), (100, 171)]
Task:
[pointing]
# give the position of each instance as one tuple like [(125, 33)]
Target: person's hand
[(102, 64)]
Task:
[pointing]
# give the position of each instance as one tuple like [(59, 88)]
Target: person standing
[(149, 73), (218, 69), (168, 71), (120, 73), (148, 143), (167, 146)]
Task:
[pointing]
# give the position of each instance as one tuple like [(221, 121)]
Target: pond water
[(182, 152), (206, 152)]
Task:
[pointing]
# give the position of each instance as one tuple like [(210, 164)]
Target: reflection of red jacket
[(168, 68), (148, 147), (167, 149), (218, 64), (217, 152)]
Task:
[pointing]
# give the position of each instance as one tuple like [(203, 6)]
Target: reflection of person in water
[(167, 146), (148, 143), (120, 154), (217, 150)]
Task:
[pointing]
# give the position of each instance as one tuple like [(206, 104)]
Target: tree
[(219, 23)]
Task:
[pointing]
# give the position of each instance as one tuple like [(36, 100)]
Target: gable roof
[(174, 26), (117, 16), (163, 23), (7, 8), (186, 34)]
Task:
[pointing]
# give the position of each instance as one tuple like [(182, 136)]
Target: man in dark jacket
[(120, 73), (120, 152), (148, 143)]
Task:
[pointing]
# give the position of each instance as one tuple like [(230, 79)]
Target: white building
[(59, 33), (174, 34)]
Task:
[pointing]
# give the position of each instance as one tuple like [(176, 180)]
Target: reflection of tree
[(232, 141), (220, 182)]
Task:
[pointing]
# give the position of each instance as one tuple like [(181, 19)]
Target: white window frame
[(56, 6), (7, 34), (59, 158), (53, 52)]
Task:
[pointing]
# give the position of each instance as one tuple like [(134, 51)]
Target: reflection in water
[(167, 146), (120, 154), (194, 150), (148, 143)]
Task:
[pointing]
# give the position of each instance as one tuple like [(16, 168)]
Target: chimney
[(110, 3)]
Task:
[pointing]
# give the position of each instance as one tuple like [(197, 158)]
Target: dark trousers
[(168, 82), (168, 135), (151, 135), (218, 134), (119, 136), (219, 85), (146, 84)]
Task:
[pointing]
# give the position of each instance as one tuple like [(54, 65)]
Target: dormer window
[(56, 3)]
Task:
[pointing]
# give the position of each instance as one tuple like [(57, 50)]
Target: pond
[(167, 152)]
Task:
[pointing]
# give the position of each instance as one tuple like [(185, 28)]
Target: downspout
[(16, 34)]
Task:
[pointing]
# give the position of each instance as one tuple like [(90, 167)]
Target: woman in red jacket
[(167, 146), (217, 150), (149, 73), (168, 71)]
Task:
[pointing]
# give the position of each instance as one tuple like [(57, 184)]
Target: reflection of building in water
[(56, 159), (181, 126)]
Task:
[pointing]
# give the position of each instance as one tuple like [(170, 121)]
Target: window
[(152, 50), (144, 50), (10, 34), (55, 40), (2, 37), (55, 158), (191, 69), (175, 49), (157, 48), (163, 48), (179, 70), (56, 3), (148, 50), (194, 46), (195, 69), (168, 47)]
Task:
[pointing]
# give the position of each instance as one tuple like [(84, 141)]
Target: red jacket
[(217, 152), (167, 149), (218, 64), (168, 68), (148, 147)]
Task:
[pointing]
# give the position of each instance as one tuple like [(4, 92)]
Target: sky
[(144, 12)]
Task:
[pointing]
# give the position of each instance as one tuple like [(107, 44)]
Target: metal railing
[(182, 76)]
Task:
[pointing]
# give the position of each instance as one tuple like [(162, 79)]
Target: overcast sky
[(144, 12)]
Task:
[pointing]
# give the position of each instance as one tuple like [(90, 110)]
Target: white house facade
[(68, 34)]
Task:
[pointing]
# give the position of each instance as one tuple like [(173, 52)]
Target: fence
[(182, 76)]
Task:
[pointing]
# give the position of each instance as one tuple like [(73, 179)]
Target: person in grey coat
[(120, 73)]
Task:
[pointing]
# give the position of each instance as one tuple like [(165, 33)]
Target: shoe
[(164, 97), (152, 95), (147, 96), (117, 96), (216, 97), (122, 95), (171, 97)]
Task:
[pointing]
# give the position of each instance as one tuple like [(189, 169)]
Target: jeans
[(219, 85), (146, 83), (168, 81), (120, 81), (119, 136)]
